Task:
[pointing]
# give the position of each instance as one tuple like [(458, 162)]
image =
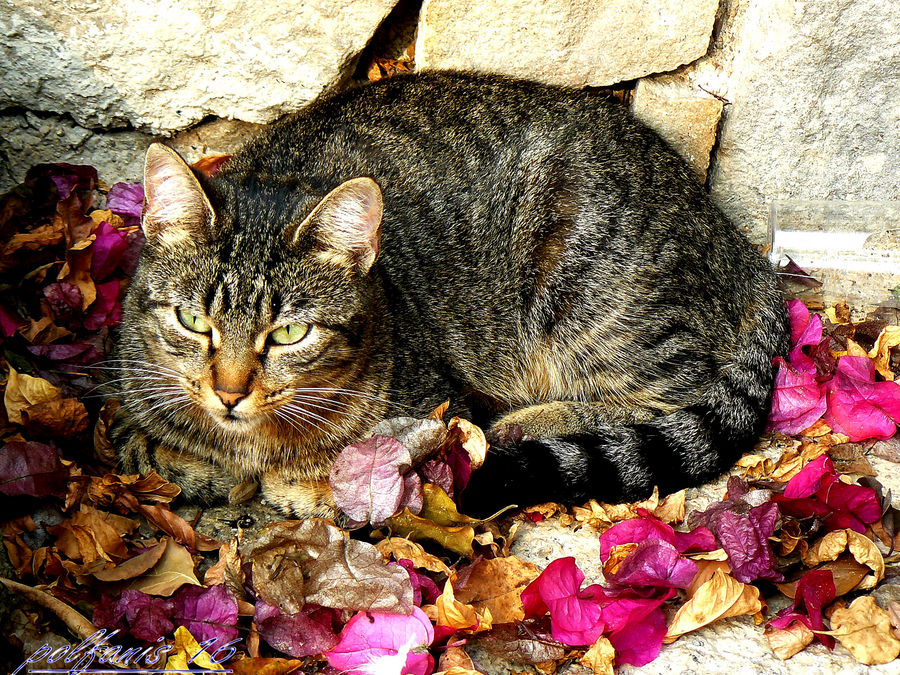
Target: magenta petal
[(860, 407), (654, 563), (633, 531), (207, 612), (798, 315), (9, 322), (106, 310), (575, 614), (810, 477), (109, 246), (859, 502), (374, 642), (639, 642), (798, 400), (698, 539)]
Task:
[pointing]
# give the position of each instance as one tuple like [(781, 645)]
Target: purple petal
[(653, 563), (126, 200), (305, 633), (746, 541), (207, 612)]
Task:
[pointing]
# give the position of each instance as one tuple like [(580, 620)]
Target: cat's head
[(253, 299)]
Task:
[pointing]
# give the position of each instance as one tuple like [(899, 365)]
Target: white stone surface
[(165, 65), (576, 42), (682, 113), (814, 92)]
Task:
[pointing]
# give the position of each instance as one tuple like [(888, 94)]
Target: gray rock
[(163, 66), (815, 105), (118, 155), (578, 43)]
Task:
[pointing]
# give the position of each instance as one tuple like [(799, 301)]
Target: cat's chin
[(236, 424)]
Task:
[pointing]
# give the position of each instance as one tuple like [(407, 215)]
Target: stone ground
[(730, 647)]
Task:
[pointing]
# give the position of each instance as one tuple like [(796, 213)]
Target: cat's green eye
[(290, 334), (193, 322)]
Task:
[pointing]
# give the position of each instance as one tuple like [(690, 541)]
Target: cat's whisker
[(316, 416), (131, 364), (345, 409), (356, 393), (302, 416)]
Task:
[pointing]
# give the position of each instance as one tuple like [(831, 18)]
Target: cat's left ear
[(347, 224), (177, 209)]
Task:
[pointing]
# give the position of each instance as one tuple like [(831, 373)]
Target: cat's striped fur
[(531, 253)]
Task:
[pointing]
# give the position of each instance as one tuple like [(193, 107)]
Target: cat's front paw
[(299, 497)]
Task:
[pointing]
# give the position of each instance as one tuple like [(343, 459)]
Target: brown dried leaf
[(23, 391), (881, 351), (174, 569), (103, 448), (865, 630), (455, 659), (518, 644), (851, 458), (172, 524), (600, 657), (496, 586), (136, 566), (788, 641), (720, 597), (404, 549), (859, 546), (59, 418)]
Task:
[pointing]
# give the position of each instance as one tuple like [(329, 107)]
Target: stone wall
[(766, 99)]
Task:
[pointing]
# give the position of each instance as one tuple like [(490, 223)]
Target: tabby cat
[(532, 253)]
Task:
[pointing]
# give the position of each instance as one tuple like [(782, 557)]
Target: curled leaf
[(865, 629), (720, 597)]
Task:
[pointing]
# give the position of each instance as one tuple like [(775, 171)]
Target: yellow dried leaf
[(839, 315), (459, 615), (456, 539), (99, 216), (186, 654), (617, 556), (862, 548), (755, 466), (720, 597), (600, 657), (495, 586), (785, 642), (404, 549), (23, 391), (865, 630), (881, 351)]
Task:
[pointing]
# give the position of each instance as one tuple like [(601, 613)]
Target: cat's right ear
[(176, 208)]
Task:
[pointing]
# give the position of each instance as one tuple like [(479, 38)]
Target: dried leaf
[(785, 642), (600, 657), (881, 351), (24, 390), (520, 643), (496, 586), (174, 570), (858, 545), (404, 549), (456, 539), (134, 567), (865, 630), (62, 418), (472, 439), (188, 654), (460, 616), (719, 598)]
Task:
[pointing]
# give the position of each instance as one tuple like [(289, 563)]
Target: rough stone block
[(578, 42), (165, 65)]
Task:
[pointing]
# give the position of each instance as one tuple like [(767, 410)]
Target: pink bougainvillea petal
[(576, 615), (815, 590), (639, 640), (373, 642), (806, 331), (858, 406), (746, 541), (798, 400), (633, 531), (810, 477), (698, 539), (108, 247)]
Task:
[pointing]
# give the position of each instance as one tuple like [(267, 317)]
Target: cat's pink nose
[(230, 398)]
